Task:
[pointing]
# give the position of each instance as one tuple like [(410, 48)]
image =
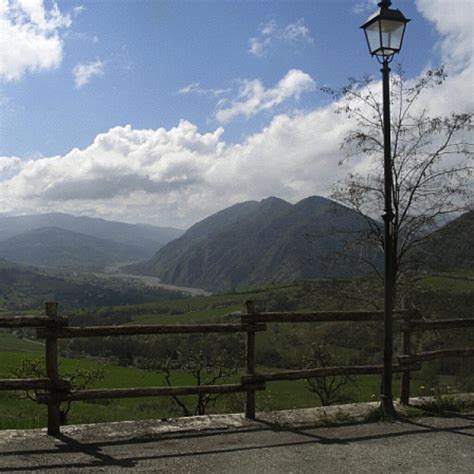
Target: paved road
[(425, 445)]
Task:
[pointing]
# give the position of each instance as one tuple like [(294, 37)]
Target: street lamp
[(384, 31)]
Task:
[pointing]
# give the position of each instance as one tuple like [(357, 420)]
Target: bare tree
[(431, 168), (204, 372), (329, 389), (79, 378)]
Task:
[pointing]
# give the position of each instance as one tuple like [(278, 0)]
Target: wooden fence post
[(250, 402), (52, 372), (406, 350)]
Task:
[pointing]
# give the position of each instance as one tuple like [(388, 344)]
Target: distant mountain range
[(255, 243), (248, 244), (62, 240), (450, 248), (55, 247)]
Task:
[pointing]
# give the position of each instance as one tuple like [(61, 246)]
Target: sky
[(164, 112)]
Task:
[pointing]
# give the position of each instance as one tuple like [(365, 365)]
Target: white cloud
[(83, 73), (78, 10), (196, 88), (8, 164), (253, 97), (271, 35), (180, 175), (297, 33), (456, 46), (455, 27), (30, 38), (365, 6)]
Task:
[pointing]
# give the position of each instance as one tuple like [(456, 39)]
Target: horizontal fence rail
[(31, 322), (34, 383), (426, 325), (322, 316), (320, 372), (433, 355), (94, 394), (408, 356), (53, 389), (132, 330)]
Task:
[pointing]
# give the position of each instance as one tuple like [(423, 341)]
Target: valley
[(296, 278), (153, 282)]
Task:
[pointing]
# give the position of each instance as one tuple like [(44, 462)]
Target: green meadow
[(280, 347), (19, 412)]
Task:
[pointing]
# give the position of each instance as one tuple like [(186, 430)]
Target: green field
[(18, 412), (191, 317), (454, 282), (281, 346), (9, 342)]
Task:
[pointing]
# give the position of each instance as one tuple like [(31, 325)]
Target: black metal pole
[(386, 395)]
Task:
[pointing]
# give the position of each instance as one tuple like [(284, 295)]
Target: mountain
[(146, 238), (7, 265), (449, 248), (256, 243), (54, 247)]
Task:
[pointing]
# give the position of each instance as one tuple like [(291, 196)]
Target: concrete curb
[(319, 416)]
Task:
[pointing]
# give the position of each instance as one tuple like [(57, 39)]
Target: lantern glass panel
[(372, 33), (391, 35)]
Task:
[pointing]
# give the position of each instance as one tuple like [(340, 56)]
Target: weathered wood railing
[(56, 389), (318, 317), (408, 356)]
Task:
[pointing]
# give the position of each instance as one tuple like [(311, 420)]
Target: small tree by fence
[(53, 389)]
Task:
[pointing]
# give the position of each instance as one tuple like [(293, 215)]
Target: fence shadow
[(264, 435)]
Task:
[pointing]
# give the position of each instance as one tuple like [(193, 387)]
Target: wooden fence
[(52, 327)]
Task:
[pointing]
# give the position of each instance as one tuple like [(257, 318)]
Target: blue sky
[(230, 70), (151, 49)]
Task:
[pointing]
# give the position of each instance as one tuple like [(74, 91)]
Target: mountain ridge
[(254, 243), (59, 248), (144, 236)]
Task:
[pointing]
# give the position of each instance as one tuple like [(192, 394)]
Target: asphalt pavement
[(231, 444)]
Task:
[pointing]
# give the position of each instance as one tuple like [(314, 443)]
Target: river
[(154, 282)]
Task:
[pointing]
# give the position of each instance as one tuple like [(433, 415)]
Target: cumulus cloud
[(253, 97), (457, 53), (84, 73), (180, 175), (271, 34), (455, 28), (30, 37), (8, 164)]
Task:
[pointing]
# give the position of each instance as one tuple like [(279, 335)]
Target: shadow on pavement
[(308, 434)]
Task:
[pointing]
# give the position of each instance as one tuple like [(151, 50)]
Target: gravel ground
[(280, 442)]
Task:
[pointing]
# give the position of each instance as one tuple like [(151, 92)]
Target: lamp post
[(384, 31)]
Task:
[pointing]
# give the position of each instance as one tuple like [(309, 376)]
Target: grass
[(9, 342), (196, 316), (446, 405), (223, 303), (453, 282), (18, 412)]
